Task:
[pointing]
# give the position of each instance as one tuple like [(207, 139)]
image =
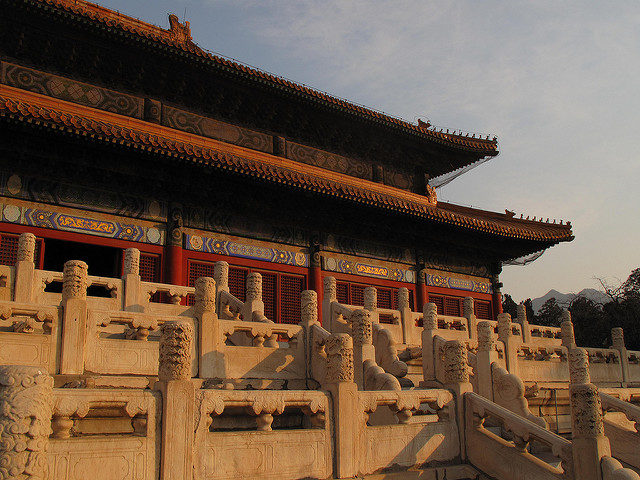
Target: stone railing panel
[(423, 429), (622, 428), (502, 458), (290, 437), (542, 363), (126, 343), (29, 335), (113, 287), (605, 366), (104, 434)]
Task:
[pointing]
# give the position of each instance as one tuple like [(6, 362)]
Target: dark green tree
[(509, 306), (528, 305), (550, 314)]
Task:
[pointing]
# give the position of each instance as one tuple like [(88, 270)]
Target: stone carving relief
[(25, 421), (455, 362), (403, 298), (309, 309), (74, 280), (205, 295), (330, 289), (617, 337), (579, 366), (586, 411), (175, 351), (504, 326), (26, 247), (339, 350), (254, 286), (221, 276), (467, 307), (362, 327), (131, 262), (430, 317), (486, 343), (370, 298)]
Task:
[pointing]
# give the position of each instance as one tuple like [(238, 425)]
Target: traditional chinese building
[(116, 133)]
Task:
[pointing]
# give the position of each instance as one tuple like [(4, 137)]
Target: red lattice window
[(483, 310), (291, 288), (357, 294), (149, 267), (270, 294), (342, 292), (9, 250), (385, 297), (238, 282), (452, 306)]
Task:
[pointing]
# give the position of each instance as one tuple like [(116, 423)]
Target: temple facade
[(119, 134), (208, 272)]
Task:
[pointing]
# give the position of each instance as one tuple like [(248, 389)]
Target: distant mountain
[(564, 299)]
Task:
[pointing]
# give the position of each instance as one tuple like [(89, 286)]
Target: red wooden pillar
[(173, 251), (421, 292), (497, 295), (315, 275)]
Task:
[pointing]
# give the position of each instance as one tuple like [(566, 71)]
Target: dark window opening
[(350, 293), (102, 261)]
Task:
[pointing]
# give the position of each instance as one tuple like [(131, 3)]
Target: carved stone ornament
[(467, 307), (74, 280), (430, 316), (221, 275), (25, 421), (254, 286), (330, 289), (579, 366), (175, 351), (486, 342), (504, 326), (309, 307), (131, 262), (586, 411), (370, 298), (205, 295), (566, 331), (26, 247), (455, 362), (339, 350), (522, 313), (362, 327), (403, 298), (617, 337)]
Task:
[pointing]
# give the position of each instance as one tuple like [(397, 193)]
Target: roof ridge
[(179, 35)]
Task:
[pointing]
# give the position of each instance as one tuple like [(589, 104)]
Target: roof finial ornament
[(181, 33)]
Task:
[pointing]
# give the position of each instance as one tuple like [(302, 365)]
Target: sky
[(556, 82)]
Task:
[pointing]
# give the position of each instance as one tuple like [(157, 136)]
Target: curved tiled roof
[(179, 36), (29, 107)]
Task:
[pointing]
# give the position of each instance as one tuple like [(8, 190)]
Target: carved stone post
[(456, 379), (468, 312), (25, 422), (617, 342), (209, 338), (588, 442), (486, 355), (339, 382), (429, 330), (178, 400), (362, 343), (409, 329), (308, 318), (505, 335), (74, 304), (253, 298), (524, 323), (25, 268), (330, 295), (131, 277), (371, 302), (566, 331)]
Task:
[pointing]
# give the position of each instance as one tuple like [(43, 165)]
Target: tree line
[(593, 321)]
